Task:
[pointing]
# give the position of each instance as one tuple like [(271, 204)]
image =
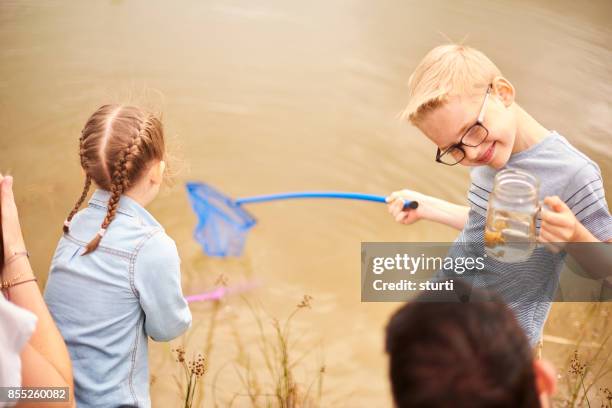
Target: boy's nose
[(472, 153)]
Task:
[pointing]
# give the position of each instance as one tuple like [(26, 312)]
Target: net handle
[(320, 194)]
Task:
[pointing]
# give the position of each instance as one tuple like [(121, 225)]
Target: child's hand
[(395, 205), (558, 226)]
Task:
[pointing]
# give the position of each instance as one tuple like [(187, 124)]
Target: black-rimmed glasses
[(474, 136)]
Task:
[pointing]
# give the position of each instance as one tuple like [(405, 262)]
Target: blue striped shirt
[(530, 286)]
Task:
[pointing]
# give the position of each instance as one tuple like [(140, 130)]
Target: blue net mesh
[(222, 224)]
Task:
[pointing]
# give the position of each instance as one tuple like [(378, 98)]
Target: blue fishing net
[(222, 223)]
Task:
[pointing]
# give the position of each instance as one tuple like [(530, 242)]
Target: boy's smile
[(487, 156), (446, 126)]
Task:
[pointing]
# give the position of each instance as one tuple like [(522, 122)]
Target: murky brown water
[(277, 97)]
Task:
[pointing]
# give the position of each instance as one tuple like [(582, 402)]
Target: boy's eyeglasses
[(474, 136)]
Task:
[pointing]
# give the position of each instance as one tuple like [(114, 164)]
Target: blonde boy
[(461, 101)]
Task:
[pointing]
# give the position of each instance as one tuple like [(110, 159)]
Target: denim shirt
[(107, 302)]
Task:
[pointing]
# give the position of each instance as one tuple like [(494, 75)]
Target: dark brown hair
[(470, 354), (116, 147)]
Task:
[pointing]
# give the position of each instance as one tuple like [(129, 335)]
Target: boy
[(459, 99)]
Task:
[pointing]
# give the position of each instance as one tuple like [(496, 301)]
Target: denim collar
[(127, 206)]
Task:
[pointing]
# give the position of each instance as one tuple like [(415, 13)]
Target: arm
[(430, 208), (44, 375), (561, 229), (46, 342), (157, 277), (595, 259)]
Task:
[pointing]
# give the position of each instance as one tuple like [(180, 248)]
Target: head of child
[(472, 354), (447, 94), (122, 150)]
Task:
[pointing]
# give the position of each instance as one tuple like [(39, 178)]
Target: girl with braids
[(115, 276)]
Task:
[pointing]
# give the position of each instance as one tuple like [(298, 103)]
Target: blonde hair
[(447, 70)]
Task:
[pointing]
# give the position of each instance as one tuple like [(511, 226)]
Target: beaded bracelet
[(7, 285), (15, 256)]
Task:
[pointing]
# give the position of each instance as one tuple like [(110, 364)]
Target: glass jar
[(510, 231)]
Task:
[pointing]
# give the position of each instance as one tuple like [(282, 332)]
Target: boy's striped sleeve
[(585, 196)]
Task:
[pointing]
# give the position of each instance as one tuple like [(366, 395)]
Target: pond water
[(282, 96)]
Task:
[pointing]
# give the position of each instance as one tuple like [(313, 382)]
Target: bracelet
[(16, 256), (24, 281), (8, 284), (12, 284)]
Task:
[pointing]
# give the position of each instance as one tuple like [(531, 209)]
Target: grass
[(275, 348), (264, 371), (193, 370), (585, 377)]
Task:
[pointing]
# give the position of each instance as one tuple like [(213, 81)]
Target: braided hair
[(116, 146), (85, 188)]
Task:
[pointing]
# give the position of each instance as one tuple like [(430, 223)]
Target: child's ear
[(546, 378), (162, 168), (503, 89), (156, 173)]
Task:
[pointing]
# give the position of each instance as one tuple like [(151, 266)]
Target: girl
[(115, 276)]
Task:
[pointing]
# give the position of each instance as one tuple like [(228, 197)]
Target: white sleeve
[(16, 328)]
